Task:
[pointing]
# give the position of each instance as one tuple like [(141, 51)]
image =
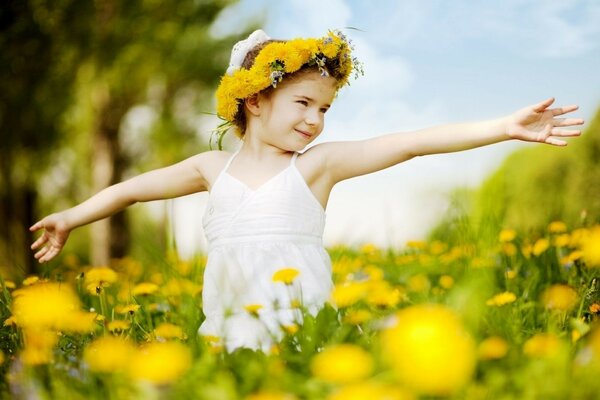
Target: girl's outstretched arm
[(183, 178), (534, 123)]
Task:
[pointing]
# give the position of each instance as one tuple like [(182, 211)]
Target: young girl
[(266, 211)]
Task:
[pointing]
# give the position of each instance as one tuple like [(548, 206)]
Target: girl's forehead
[(316, 84)]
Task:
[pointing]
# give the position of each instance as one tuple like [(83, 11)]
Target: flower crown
[(277, 59)]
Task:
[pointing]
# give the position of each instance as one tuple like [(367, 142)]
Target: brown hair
[(240, 117)]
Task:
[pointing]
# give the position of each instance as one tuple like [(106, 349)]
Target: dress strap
[(231, 159), (293, 160)]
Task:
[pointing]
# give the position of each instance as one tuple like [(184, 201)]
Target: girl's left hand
[(537, 123)]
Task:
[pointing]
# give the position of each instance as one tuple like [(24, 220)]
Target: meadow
[(515, 320)]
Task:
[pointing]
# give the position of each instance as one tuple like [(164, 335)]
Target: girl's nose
[(312, 117)]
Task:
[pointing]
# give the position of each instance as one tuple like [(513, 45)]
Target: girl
[(266, 212)]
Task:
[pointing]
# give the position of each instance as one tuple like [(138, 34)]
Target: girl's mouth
[(304, 134)]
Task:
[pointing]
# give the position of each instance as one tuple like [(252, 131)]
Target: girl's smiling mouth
[(304, 134)]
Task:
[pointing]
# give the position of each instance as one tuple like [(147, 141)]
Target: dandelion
[(253, 309), (437, 247), (169, 331), (416, 245), (542, 345), (372, 391), (595, 308), (492, 348), (127, 309), (30, 280), (562, 240), (509, 249), (100, 276), (357, 317), (342, 363), (446, 281), (507, 235), (382, 294), (557, 227), (511, 274), (10, 321), (291, 329), (286, 275), (9, 284), (144, 289), (108, 354), (39, 345), (559, 297), (271, 395), (419, 283), (118, 325), (429, 349), (540, 246), (590, 247), (348, 293), (501, 299), (148, 363)]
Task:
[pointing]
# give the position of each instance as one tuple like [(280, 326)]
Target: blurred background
[(96, 92)]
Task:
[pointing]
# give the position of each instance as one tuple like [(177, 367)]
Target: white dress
[(252, 234)]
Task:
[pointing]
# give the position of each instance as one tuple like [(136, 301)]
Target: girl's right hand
[(53, 239)]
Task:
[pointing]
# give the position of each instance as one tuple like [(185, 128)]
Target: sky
[(426, 62)]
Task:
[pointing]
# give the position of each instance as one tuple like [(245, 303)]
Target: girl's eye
[(303, 102), (324, 110)]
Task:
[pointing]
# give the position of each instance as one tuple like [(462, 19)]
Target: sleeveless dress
[(251, 234)]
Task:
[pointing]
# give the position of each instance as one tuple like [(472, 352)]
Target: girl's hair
[(331, 66)]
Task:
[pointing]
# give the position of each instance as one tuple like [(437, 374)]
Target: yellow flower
[(30, 280), (419, 283), (127, 309), (169, 331), (429, 349), (509, 249), (39, 344), (253, 308), (371, 391), (47, 305), (542, 345), (595, 308), (9, 284), (10, 321), (507, 235), (416, 244), (511, 274), (437, 247), (108, 354), (557, 227), (271, 395), (540, 246), (144, 288), (348, 293), (590, 247), (357, 317), (160, 363), (492, 348), (100, 276), (562, 240), (382, 294), (342, 363), (291, 329), (559, 297), (501, 299), (286, 275), (118, 325), (446, 281)]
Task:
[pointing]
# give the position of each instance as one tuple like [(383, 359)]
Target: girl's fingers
[(567, 121), (41, 240), (49, 256), (564, 132), (41, 253), (564, 110), (542, 105), (36, 226), (556, 142)]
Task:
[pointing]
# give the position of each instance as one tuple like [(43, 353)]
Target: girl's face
[(293, 114)]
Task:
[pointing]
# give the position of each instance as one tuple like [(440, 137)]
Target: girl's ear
[(252, 103)]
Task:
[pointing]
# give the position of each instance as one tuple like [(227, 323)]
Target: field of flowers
[(518, 320)]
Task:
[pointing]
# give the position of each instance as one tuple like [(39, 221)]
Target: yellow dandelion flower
[(211, 338), (595, 308), (291, 329), (557, 227), (10, 321), (100, 276), (357, 317), (509, 249), (271, 395), (526, 250), (371, 390), (30, 280), (118, 325), (286, 275), (39, 345), (590, 247), (511, 274), (562, 240), (144, 289), (169, 331), (437, 247), (46, 305), (369, 248), (559, 297), (127, 309), (492, 348), (446, 281), (9, 284), (416, 245), (348, 293), (540, 246), (374, 273), (148, 363), (253, 309), (542, 345), (507, 235), (342, 363), (418, 283), (429, 349), (108, 354), (382, 294), (501, 299)]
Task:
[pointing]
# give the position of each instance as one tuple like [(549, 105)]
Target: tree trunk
[(111, 236)]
